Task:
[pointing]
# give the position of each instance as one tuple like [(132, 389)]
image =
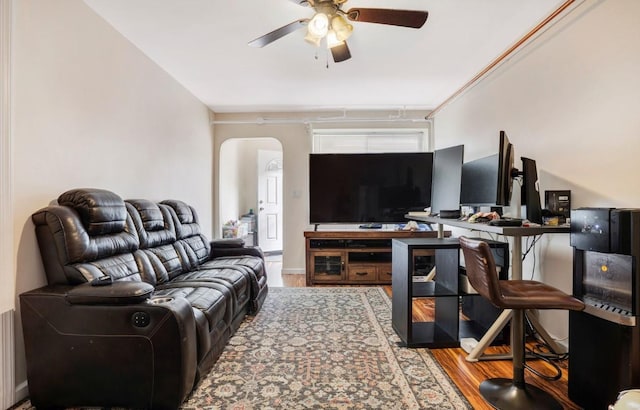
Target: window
[(370, 140)]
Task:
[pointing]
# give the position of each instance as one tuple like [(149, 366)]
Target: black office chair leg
[(515, 394)]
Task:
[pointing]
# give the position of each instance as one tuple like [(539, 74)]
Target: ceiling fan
[(329, 23)]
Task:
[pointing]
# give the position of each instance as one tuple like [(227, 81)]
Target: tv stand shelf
[(353, 257)]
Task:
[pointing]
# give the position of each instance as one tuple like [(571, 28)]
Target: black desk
[(517, 232)]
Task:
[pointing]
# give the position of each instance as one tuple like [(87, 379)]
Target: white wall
[(90, 110), (293, 134), (570, 101), (6, 222)]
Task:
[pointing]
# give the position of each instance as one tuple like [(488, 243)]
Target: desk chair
[(518, 295)]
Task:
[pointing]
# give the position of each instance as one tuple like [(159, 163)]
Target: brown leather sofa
[(139, 304)]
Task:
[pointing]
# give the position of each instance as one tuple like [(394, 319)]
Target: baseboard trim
[(22, 392), (293, 271), (7, 394)]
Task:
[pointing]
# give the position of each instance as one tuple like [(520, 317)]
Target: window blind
[(369, 140)]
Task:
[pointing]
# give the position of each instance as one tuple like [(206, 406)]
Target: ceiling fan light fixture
[(332, 23), (312, 39), (342, 29), (319, 25), (333, 40)]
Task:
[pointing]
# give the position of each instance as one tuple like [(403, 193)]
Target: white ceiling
[(203, 45)]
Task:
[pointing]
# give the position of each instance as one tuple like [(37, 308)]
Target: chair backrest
[(481, 269), (188, 230)]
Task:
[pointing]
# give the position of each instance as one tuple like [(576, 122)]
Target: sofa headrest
[(102, 212), (150, 214), (185, 217), (185, 213), (153, 222)]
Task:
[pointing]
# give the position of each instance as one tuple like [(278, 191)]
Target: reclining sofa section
[(139, 304)]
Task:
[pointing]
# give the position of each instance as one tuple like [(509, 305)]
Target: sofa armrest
[(217, 252), (117, 293), (136, 355), (227, 243)]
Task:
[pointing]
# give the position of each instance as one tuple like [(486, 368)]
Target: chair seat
[(528, 294)]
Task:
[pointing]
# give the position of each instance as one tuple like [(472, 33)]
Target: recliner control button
[(140, 319)]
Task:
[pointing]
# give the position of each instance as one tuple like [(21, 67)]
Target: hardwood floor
[(466, 375)]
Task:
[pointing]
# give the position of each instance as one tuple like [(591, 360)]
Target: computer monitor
[(530, 193), (447, 179), (506, 171), (480, 182), (488, 181)]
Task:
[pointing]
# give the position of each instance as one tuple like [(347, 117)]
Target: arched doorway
[(250, 180)]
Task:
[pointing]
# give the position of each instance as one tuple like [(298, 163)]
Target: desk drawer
[(362, 273), (384, 273)]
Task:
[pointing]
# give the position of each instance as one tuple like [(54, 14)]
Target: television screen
[(368, 188), (447, 177)]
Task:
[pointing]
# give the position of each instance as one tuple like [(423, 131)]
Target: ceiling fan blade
[(303, 3), (340, 52), (403, 18), (278, 33)]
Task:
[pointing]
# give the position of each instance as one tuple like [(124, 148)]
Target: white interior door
[(270, 200)]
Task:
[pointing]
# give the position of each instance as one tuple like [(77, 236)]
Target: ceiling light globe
[(333, 40), (319, 25), (312, 39), (342, 29)]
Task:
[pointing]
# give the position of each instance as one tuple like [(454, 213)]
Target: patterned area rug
[(333, 348), (322, 348)]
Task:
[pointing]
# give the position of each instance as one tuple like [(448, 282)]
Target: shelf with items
[(353, 257), (251, 221)]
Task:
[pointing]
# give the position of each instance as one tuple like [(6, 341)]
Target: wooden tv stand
[(353, 257)]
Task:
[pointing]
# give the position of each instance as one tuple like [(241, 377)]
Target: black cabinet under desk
[(450, 299), (443, 330)]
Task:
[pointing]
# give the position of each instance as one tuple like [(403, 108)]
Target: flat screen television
[(368, 188), (447, 178), (488, 181)]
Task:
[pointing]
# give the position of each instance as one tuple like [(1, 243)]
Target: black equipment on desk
[(604, 339)]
